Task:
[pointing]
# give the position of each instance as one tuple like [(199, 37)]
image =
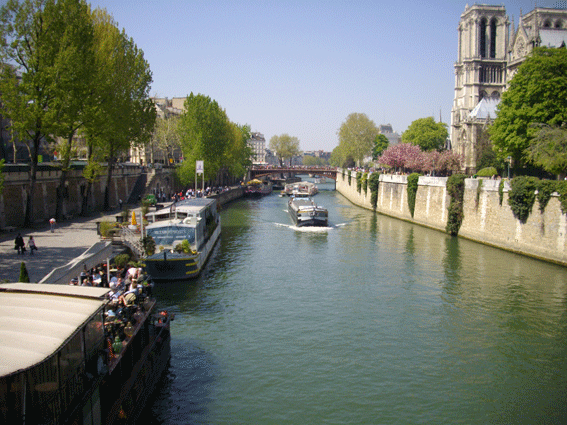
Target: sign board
[(200, 169)]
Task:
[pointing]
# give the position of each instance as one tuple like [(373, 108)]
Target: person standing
[(31, 245), (52, 223), (20, 244)]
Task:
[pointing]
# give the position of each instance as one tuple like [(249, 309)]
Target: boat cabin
[(191, 219)]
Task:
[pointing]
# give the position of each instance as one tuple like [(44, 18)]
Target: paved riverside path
[(69, 240)]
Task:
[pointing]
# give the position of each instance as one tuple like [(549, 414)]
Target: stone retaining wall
[(485, 219), (13, 198)]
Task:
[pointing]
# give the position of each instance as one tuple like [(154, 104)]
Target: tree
[(165, 137), (401, 156), (313, 161), (285, 147), (537, 95), (121, 112), (73, 89), (205, 133), (357, 135), (39, 47), (381, 143), (548, 149), (239, 152), (427, 134)]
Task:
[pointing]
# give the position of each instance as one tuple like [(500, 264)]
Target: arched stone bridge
[(330, 172)]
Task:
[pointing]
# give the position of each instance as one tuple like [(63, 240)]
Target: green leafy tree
[(338, 157), (548, 149), (121, 113), (285, 147), (313, 161), (74, 87), (238, 152), (357, 135), (205, 133), (165, 137), (537, 95), (42, 41), (381, 143), (427, 134)]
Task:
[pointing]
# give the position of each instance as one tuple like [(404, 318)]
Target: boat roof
[(37, 319), (193, 205)]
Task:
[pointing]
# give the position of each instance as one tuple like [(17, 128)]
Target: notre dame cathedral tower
[(490, 52)]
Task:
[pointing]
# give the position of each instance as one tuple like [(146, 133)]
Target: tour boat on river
[(72, 356), (305, 212), (302, 189), (184, 234), (257, 188)]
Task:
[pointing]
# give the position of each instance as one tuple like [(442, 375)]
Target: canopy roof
[(36, 320)]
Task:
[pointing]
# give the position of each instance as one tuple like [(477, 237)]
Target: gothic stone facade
[(489, 53)]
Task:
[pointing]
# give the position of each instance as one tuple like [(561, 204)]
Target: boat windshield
[(167, 235)]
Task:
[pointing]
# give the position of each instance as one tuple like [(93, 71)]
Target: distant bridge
[(330, 172)]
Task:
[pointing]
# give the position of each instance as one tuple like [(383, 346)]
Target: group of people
[(20, 245)]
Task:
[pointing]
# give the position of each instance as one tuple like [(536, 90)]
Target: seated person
[(115, 292), (129, 297)]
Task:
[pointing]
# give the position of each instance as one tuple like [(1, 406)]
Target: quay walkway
[(69, 240)]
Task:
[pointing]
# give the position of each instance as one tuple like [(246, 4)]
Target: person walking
[(52, 223), (20, 244), (31, 245)]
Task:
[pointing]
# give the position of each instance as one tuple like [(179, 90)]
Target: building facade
[(490, 50), (387, 130), (257, 143)]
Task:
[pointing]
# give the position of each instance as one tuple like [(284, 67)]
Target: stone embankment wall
[(13, 199), (486, 220), (230, 195)]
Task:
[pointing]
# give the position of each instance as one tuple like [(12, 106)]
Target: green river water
[(370, 321)]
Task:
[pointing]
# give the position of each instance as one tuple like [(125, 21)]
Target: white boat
[(305, 212), (184, 235), (302, 188)]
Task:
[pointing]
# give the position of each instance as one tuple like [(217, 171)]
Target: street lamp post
[(509, 161)]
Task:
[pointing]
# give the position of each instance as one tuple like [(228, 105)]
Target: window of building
[(493, 38), (482, 39)]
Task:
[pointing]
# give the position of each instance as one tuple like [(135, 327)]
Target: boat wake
[(306, 229)]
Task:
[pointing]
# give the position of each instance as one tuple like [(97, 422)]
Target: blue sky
[(301, 67)]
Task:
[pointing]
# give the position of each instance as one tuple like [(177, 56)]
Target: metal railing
[(133, 240)]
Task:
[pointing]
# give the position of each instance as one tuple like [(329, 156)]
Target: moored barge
[(66, 359)]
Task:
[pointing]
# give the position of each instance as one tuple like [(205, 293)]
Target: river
[(370, 321)]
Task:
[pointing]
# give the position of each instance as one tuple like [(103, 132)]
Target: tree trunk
[(61, 193), (106, 206), (29, 215)]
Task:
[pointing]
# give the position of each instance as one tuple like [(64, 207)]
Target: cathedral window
[(493, 38), (559, 24), (482, 38), (547, 23)]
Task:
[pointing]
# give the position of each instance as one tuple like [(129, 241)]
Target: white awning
[(35, 320)]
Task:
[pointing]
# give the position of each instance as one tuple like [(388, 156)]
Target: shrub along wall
[(485, 219)]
